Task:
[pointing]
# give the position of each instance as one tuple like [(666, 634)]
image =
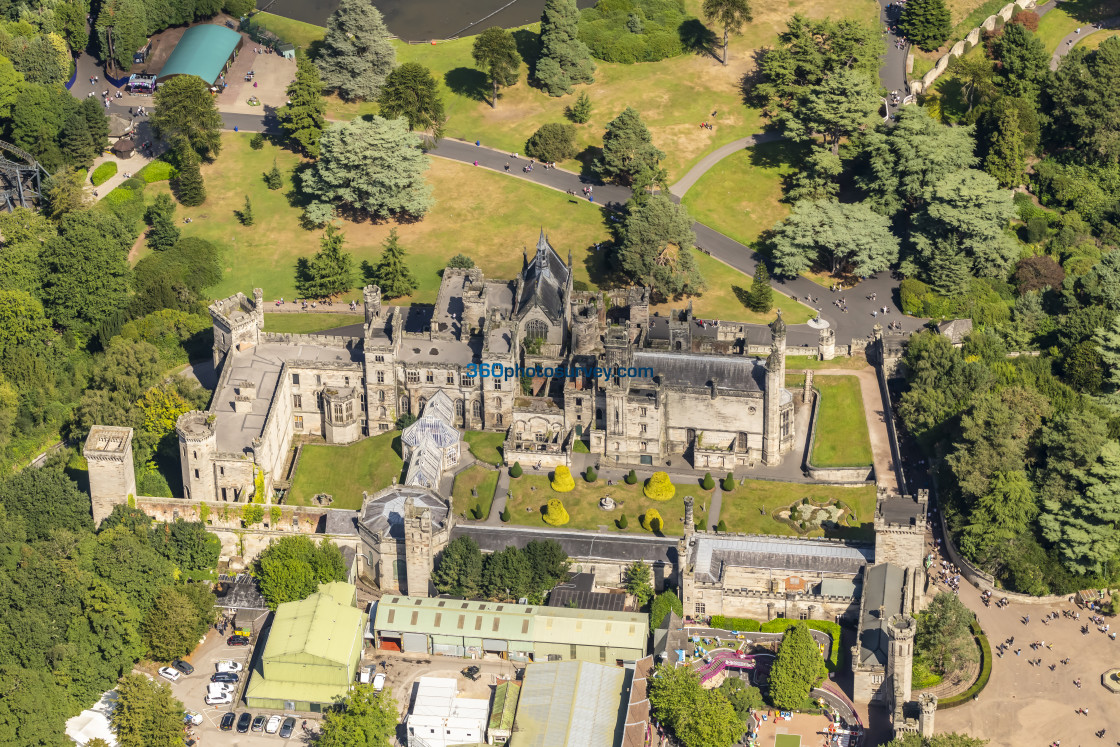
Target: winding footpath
[(1070, 40)]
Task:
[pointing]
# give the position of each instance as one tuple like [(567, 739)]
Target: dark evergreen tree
[(391, 272), (188, 185), (357, 53), (412, 92), (273, 179), (1024, 63), (655, 247), (496, 51), (1006, 159), (629, 156), (330, 271), (925, 23), (77, 142), (761, 296), (304, 116), (731, 15), (245, 214), (162, 231), (580, 111), (564, 59), (552, 142)]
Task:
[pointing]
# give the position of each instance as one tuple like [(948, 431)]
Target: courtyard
[(474, 490), (344, 472)]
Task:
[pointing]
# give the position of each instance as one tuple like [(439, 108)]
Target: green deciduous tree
[(412, 92), (162, 231), (731, 15), (564, 59), (46, 500), (838, 107), (304, 116), (937, 740), (185, 109), (87, 274), (495, 51), (817, 179), (329, 271), (836, 236), (146, 714), (797, 668), (944, 637), (629, 156), (368, 718), (506, 575), (391, 272), (374, 167), (925, 23), (552, 142), (999, 516), (357, 53), (179, 617), (639, 582), (743, 697), (1083, 102), (292, 568), (697, 717), (655, 247), (975, 74), (459, 571)]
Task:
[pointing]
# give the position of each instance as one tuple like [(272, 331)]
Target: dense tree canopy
[(185, 109), (838, 237), (495, 51), (797, 668), (697, 717), (357, 54), (655, 247), (564, 59), (925, 23), (304, 116), (410, 91), (292, 568), (629, 156)]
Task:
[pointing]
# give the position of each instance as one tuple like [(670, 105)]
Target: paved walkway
[(687, 181), (1070, 40)]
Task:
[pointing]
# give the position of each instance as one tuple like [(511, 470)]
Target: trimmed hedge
[(157, 171), (103, 173), (985, 673), (780, 624), (741, 624)]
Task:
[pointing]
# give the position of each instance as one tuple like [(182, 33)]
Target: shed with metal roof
[(205, 50), (574, 703)]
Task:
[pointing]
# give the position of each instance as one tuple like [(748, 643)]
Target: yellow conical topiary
[(659, 487), (556, 514), (651, 521), (562, 481)]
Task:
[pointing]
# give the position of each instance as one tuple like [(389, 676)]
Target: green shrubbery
[(780, 624), (630, 31), (103, 173), (740, 624), (981, 682), (987, 301), (157, 171)]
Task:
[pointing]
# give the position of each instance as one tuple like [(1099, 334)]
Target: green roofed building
[(455, 627), (571, 704), (311, 653), (205, 51)]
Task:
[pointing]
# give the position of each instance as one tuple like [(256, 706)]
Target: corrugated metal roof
[(202, 51), (505, 705), (319, 626), (569, 703), (777, 552)]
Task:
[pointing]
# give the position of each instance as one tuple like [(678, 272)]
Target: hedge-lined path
[(1032, 705)]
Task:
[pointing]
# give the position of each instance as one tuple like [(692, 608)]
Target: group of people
[(140, 111), (894, 15), (951, 576), (986, 598)]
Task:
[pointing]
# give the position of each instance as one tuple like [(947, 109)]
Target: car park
[(190, 717), (258, 722), (243, 722), (237, 640), (182, 666), (273, 724), (170, 674), (229, 665), (228, 719), (214, 699), (287, 727), (225, 677)]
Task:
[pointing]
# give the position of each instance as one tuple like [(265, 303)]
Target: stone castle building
[(637, 388)]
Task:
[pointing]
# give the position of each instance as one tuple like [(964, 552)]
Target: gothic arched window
[(476, 409), (536, 330)]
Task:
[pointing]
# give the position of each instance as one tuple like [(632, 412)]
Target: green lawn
[(802, 362), (345, 471), (748, 508), (530, 493), (485, 445), (673, 96), (1071, 15), (741, 196), (1098, 38), (305, 323), (841, 438), (477, 478), (295, 32)]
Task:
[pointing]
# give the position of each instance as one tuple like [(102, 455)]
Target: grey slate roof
[(546, 278), (384, 513), (904, 510), (697, 370), (239, 592), (777, 553), (589, 545), (578, 591), (882, 587), (341, 521)]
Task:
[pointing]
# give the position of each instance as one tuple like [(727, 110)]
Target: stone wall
[(765, 605), (971, 40)]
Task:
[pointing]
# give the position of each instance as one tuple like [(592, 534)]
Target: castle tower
[(900, 528), (772, 397), (686, 582), (585, 330), (112, 477), (418, 552), (197, 446), (900, 659), (928, 704), (237, 323), (371, 302), (826, 344)]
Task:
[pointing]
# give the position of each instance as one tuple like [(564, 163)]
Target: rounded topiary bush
[(103, 173), (562, 481), (651, 521), (659, 487), (631, 477), (554, 141), (556, 515), (504, 515), (590, 475), (623, 522), (728, 483), (708, 483), (515, 471)]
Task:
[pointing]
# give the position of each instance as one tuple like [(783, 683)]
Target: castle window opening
[(430, 377), (413, 377), (297, 401), (380, 377), (536, 330), (299, 422), (295, 379)]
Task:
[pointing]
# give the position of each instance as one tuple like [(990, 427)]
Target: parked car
[(379, 681), (472, 673), (183, 666), (226, 677), (273, 724), (170, 674), (219, 699), (190, 717), (229, 665), (243, 722), (228, 719), (258, 722), (237, 640), (288, 727)]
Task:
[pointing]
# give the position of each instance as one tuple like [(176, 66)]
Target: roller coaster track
[(20, 177)]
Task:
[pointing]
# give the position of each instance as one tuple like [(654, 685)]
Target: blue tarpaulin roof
[(203, 51)]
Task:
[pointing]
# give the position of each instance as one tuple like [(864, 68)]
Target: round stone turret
[(371, 298), (197, 447)]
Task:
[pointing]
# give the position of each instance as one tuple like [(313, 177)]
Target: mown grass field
[(486, 445), (841, 438), (345, 471), (476, 478), (307, 323), (748, 508)]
